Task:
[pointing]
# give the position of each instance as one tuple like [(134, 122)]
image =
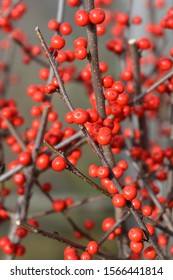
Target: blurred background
[(65, 184)]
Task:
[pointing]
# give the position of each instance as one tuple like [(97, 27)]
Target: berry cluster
[(126, 122)]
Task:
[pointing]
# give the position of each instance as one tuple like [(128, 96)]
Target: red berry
[(85, 256), (108, 223), (24, 158), (103, 172), (135, 234), (57, 42), (97, 16), (93, 170), (81, 18), (43, 161), (59, 163), (80, 116), (136, 247), (80, 42), (147, 210), (53, 24), (165, 64), (58, 205), (111, 94), (80, 53), (92, 247), (129, 192), (118, 200), (136, 203), (104, 136), (150, 253), (65, 28)]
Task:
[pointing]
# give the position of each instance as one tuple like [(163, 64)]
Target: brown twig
[(153, 87), (59, 238)]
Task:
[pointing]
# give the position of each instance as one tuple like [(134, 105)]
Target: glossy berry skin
[(104, 136), (147, 210), (136, 203), (80, 42), (58, 205), (165, 64), (136, 247), (103, 172), (150, 253), (81, 18), (53, 24), (108, 223), (111, 94), (97, 16), (85, 256), (58, 164), (57, 42), (24, 158), (118, 201), (129, 192), (80, 116), (135, 234), (80, 53), (93, 170), (92, 247), (65, 28), (43, 161)]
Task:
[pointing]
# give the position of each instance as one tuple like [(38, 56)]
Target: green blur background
[(65, 184)]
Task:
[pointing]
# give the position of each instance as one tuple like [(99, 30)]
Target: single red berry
[(118, 172), (118, 200), (92, 247), (108, 223), (123, 164), (80, 53), (46, 187), (80, 116), (136, 203), (93, 170), (165, 63), (150, 253), (80, 42), (19, 250), (104, 136), (103, 172), (143, 43), (151, 229), (129, 192), (9, 248), (97, 16), (58, 205), (19, 178), (24, 158), (107, 81), (147, 210), (81, 18), (73, 3), (111, 94), (65, 28), (162, 240), (135, 234), (21, 232), (43, 161), (89, 224), (136, 247), (136, 20), (59, 163), (85, 256), (57, 42)]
